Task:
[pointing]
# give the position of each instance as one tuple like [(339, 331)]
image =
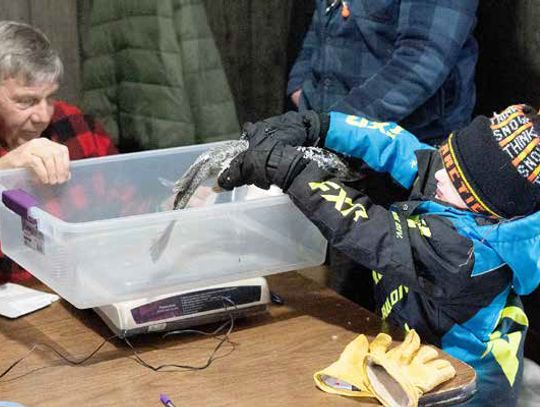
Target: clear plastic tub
[(91, 239)]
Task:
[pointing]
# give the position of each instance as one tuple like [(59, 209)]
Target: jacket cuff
[(324, 119)]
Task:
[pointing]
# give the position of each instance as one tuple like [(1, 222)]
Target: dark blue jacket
[(453, 275), (405, 61)]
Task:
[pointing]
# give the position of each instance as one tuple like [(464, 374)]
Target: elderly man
[(36, 131)]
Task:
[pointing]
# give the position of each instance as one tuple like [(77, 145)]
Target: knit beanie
[(495, 163)]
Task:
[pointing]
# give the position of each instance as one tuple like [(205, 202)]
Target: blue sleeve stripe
[(384, 146), (485, 259)]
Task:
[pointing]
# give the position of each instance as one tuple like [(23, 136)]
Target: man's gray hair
[(26, 53)]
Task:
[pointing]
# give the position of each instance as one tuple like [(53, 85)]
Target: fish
[(208, 164), (215, 160)]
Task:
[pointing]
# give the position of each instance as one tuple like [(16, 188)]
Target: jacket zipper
[(331, 6), (329, 9)]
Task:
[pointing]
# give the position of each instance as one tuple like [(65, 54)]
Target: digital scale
[(186, 308)]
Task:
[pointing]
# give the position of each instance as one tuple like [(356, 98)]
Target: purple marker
[(166, 400)]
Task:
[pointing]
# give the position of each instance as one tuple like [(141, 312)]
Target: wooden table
[(272, 363)]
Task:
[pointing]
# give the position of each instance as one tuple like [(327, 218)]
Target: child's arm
[(428, 255), (385, 147)]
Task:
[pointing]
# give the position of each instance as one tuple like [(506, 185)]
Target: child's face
[(446, 191)]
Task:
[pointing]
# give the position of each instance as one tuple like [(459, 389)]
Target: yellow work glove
[(398, 377), (344, 377)]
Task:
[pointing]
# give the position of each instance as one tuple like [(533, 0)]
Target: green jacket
[(153, 75)]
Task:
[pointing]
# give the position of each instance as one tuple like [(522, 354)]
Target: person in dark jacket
[(451, 260), (410, 62), (38, 132)]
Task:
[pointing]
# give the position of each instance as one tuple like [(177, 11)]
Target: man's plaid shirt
[(84, 138)]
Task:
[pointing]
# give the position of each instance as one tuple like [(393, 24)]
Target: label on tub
[(32, 237)]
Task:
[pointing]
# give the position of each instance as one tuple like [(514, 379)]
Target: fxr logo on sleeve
[(389, 129), (342, 203)]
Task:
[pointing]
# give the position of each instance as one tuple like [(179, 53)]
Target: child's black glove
[(263, 164), (292, 128)]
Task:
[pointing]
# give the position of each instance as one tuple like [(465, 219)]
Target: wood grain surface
[(271, 364)]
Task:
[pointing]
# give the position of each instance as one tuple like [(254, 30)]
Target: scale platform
[(186, 308)]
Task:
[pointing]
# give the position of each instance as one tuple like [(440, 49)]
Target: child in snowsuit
[(450, 260)]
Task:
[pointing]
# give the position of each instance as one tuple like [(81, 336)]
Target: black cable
[(66, 358), (171, 367), (137, 357)]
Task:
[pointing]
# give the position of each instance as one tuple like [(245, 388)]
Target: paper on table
[(17, 300)]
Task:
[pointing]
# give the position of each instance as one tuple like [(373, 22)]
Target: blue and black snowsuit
[(453, 275)]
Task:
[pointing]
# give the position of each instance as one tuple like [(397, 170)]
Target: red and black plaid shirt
[(84, 138)]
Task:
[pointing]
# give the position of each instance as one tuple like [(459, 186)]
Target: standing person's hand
[(48, 160), (295, 97)]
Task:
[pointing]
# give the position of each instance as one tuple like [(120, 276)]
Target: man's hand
[(203, 196), (48, 160), (295, 97)]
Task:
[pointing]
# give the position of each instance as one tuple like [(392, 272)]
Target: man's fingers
[(61, 159), (38, 166), (203, 196), (54, 161), (59, 167), (50, 166), (295, 97)]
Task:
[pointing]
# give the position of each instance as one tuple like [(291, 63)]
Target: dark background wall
[(258, 40), (508, 70), (57, 19), (252, 37)]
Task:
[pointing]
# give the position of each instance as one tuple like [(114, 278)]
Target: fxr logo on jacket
[(337, 195)]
